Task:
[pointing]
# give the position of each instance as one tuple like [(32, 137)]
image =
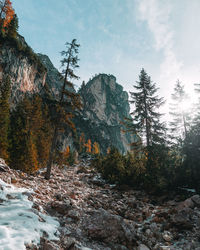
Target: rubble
[(96, 215)]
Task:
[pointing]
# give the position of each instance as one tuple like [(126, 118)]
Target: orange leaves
[(67, 152), (6, 13), (88, 146), (95, 149)]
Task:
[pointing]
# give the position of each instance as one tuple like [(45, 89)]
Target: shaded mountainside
[(27, 73), (105, 107), (105, 104)]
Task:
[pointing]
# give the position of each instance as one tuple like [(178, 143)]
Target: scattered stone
[(95, 215), (167, 236), (60, 207), (69, 242), (106, 227), (13, 180), (196, 200), (49, 245), (142, 247), (74, 214)]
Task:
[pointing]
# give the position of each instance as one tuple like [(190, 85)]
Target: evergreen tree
[(191, 148), (196, 119), (146, 118), (23, 151), (179, 125), (147, 124), (69, 101), (30, 135), (4, 116)]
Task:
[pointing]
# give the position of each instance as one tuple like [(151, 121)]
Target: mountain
[(105, 107), (27, 73), (105, 104)]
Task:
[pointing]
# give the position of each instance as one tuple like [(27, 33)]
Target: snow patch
[(19, 223)]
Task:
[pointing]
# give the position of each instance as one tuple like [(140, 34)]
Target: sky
[(119, 37)]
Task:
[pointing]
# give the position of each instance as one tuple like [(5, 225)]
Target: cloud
[(157, 15)]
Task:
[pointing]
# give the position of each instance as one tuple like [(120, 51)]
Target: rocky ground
[(95, 215)]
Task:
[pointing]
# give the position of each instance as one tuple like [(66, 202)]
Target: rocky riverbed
[(96, 215)]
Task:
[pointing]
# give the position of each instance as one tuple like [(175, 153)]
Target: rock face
[(105, 104), (105, 107), (26, 74)]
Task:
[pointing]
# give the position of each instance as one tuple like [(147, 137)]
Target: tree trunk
[(51, 154), (185, 126)]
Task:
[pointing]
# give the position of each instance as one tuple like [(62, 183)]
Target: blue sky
[(119, 37)]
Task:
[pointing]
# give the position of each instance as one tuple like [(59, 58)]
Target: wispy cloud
[(157, 15)]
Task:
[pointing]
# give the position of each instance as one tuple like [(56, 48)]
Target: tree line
[(160, 157), (164, 156)]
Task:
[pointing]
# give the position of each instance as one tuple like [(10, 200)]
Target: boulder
[(196, 200), (61, 207), (103, 226), (142, 247), (182, 220)]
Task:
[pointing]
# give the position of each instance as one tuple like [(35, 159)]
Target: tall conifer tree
[(146, 117), (4, 116), (69, 101), (180, 123)]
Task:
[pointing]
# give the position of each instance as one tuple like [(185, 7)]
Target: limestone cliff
[(105, 107), (26, 72), (105, 104)]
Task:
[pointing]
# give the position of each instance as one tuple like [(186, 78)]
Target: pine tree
[(196, 119), (179, 125), (146, 118), (69, 101), (191, 148), (4, 116), (23, 151)]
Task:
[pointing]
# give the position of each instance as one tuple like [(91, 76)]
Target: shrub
[(121, 169)]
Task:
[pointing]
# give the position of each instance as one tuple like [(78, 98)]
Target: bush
[(65, 158), (121, 169)]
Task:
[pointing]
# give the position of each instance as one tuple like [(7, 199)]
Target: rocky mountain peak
[(27, 73), (105, 99), (105, 107)]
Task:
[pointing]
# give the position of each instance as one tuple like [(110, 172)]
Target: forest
[(164, 157)]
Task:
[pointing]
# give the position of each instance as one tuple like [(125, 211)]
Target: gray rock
[(182, 220), (24, 74), (102, 226), (74, 214), (60, 207), (49, 245), (142, 247), (196, 200), (105, 105)]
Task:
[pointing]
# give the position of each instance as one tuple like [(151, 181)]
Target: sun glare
[(185, 106)]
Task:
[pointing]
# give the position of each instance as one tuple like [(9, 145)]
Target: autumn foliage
[(6, 13), (88, 147)]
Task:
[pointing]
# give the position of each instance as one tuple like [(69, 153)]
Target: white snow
[(19, 224)]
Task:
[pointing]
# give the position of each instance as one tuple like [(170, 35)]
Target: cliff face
[(105, 107), (105, 104), (25, 75)]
